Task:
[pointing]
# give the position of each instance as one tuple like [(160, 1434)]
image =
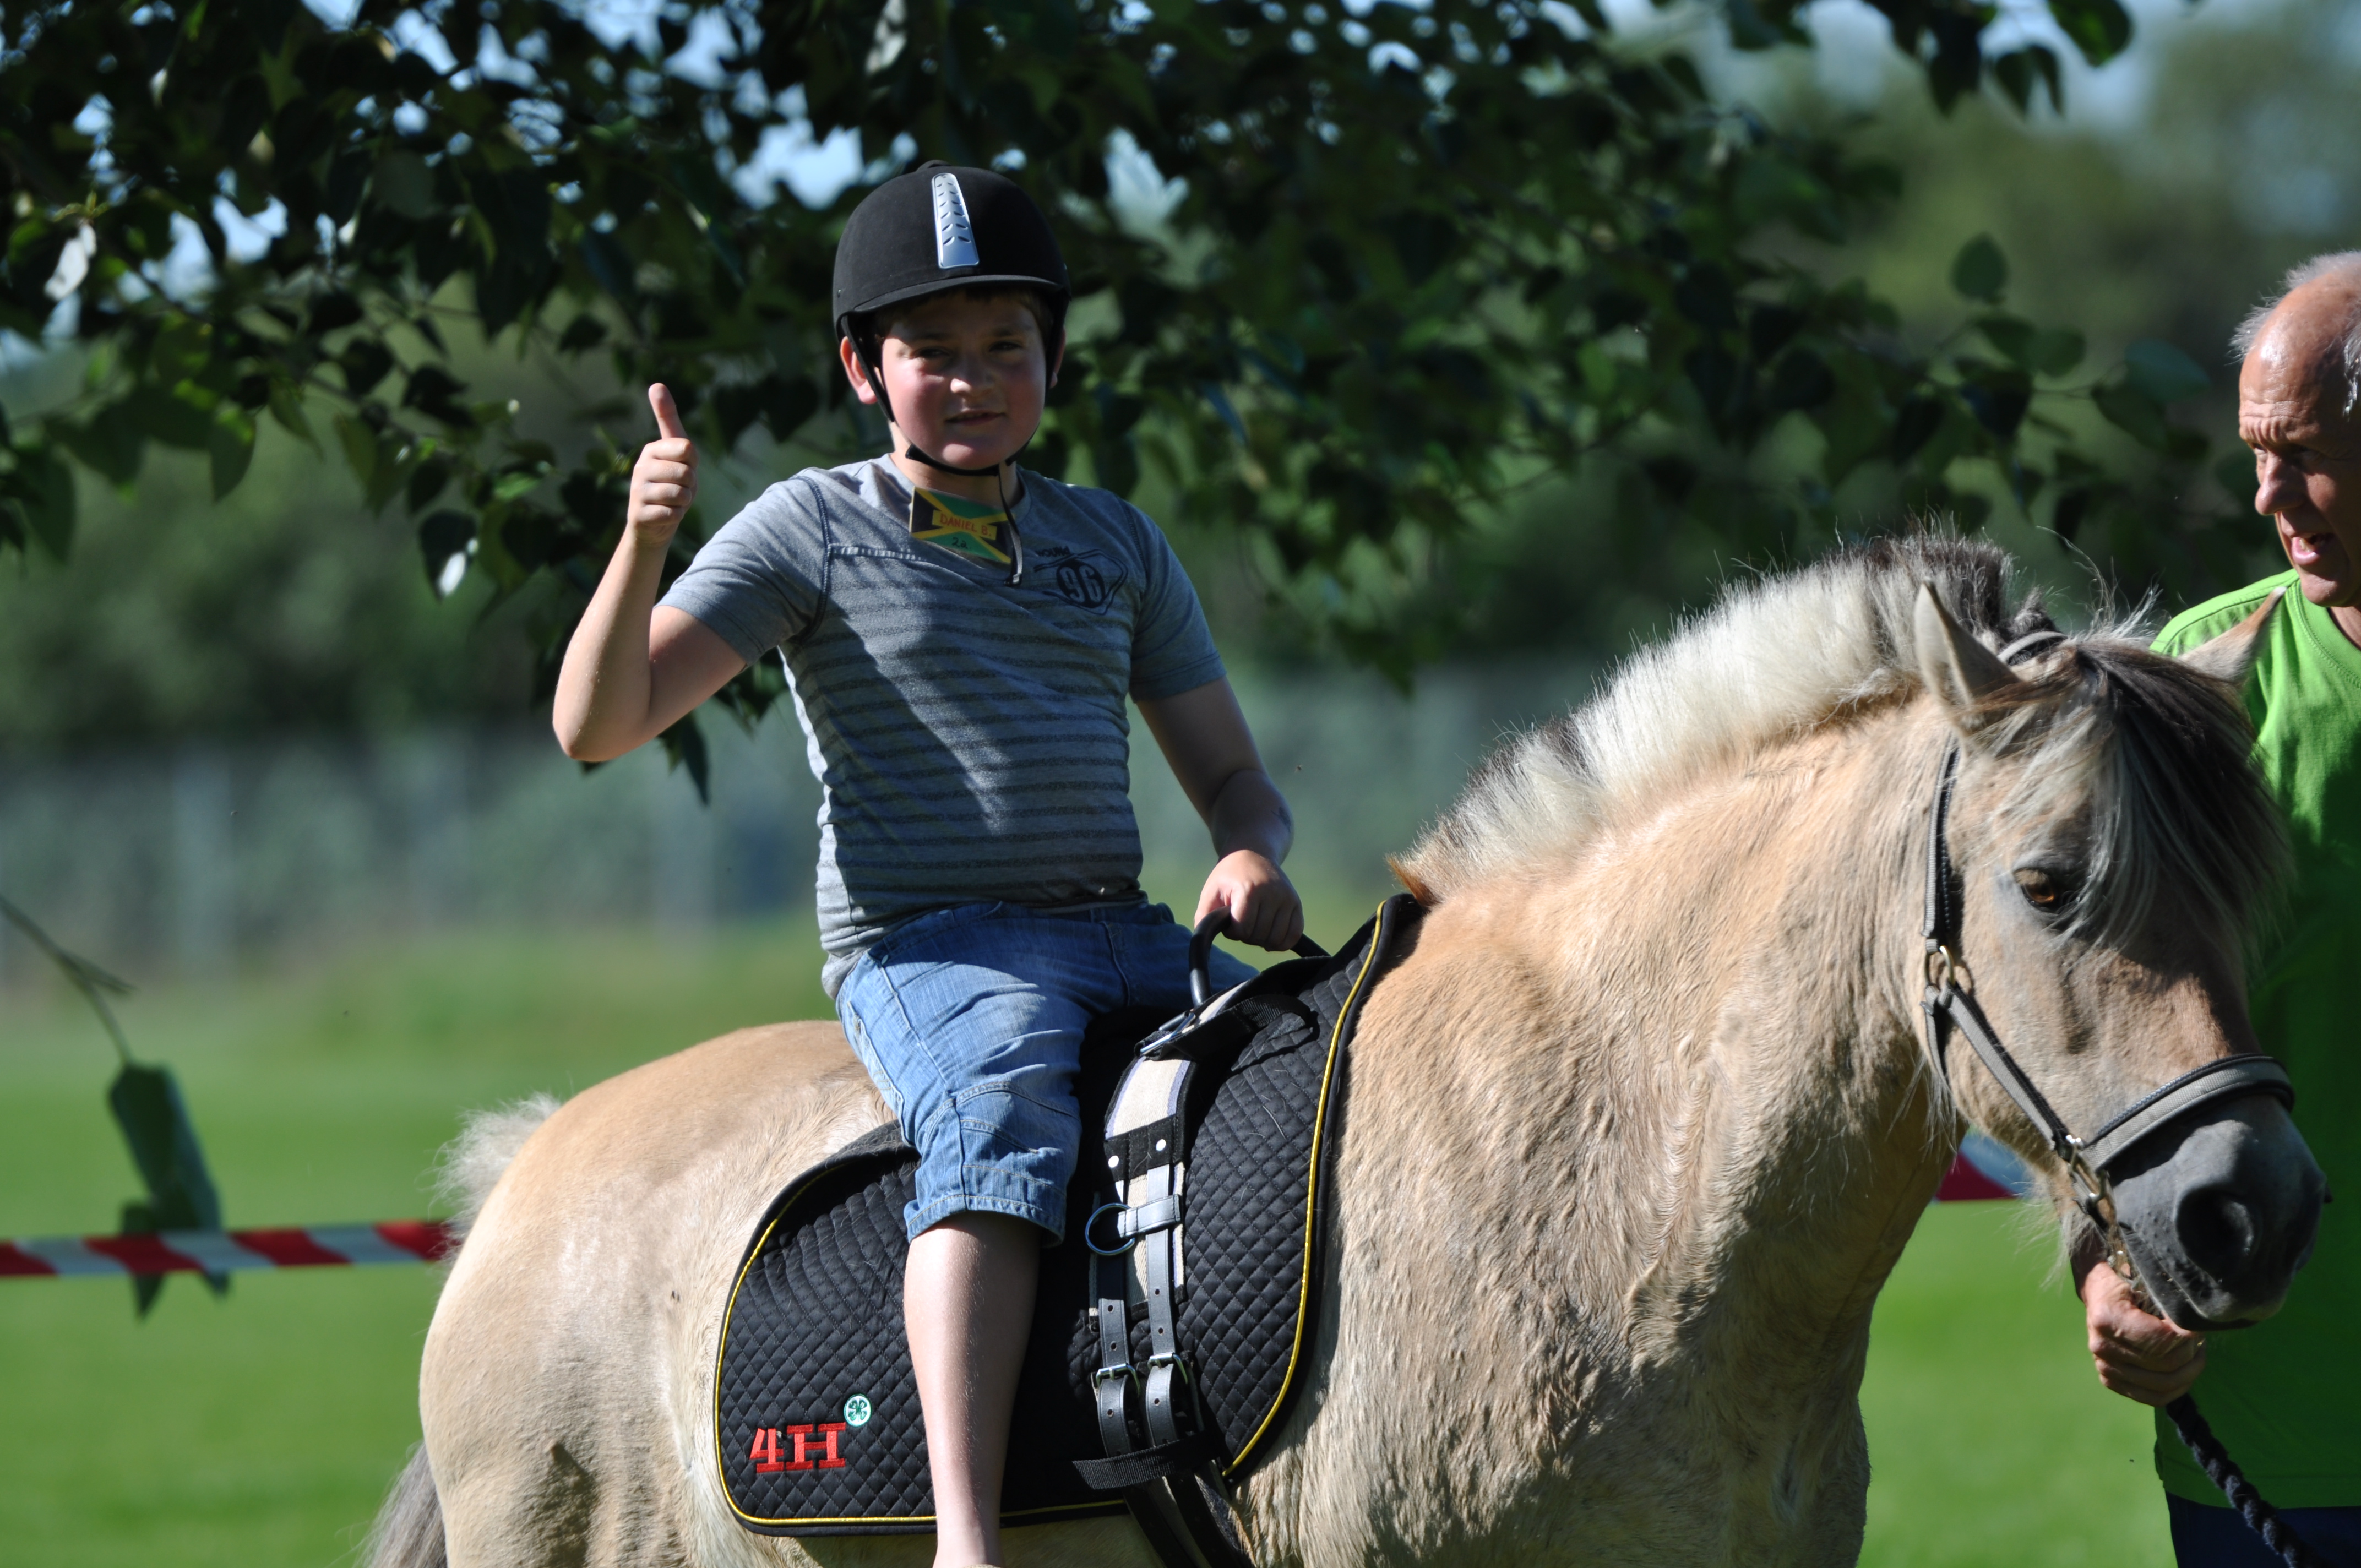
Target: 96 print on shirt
[(1085, 578)]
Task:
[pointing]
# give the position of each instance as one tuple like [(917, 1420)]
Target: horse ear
[(1959, 671), (2228, 657)]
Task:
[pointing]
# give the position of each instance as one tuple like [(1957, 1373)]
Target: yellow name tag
[(968, 527)]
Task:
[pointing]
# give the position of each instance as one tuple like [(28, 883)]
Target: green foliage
[(286, 606), (1980, 271), (1416, 261), (154, 1119)]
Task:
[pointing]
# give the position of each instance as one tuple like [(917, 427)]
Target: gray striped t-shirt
[(970, 738)]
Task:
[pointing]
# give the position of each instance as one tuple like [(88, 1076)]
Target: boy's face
[(967, 375)]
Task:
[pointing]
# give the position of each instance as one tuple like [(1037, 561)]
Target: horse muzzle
[(2219, 1209)]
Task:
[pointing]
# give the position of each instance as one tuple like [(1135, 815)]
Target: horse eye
[(2046, 891)]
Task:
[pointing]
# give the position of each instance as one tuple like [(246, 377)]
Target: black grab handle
[(1201, 955)]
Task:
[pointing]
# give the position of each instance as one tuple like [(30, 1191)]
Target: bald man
[(2285, 1396)]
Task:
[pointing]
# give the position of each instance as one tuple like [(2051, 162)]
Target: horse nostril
[(2217, 1232)]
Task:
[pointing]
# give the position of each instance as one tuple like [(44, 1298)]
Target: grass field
[(258, 1431)]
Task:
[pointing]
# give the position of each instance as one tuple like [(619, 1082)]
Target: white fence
[(199, 857)]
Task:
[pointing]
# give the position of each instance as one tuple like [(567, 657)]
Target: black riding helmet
[(932, 230)]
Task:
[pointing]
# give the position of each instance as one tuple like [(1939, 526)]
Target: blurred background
[(250, 762)]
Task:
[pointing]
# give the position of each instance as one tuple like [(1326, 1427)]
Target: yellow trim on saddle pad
[(1347, 1016)]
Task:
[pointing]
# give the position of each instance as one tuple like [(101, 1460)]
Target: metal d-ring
[(1106, 1251)]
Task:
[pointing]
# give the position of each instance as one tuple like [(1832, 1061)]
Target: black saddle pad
[(816, 1412)]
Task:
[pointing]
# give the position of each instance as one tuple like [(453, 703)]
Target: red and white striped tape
[(226, 1251), (1982, 1171), (1983, 1168)]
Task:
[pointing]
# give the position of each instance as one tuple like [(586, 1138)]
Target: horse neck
[(1672, 1089)]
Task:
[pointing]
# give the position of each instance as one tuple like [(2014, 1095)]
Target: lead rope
[(1946, 1003), (2224, 1471)]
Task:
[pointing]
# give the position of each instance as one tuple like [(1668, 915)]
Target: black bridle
[(1948, 1006), (2086, 1162)]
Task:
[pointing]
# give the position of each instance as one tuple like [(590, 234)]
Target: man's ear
[(1959, 671), (2228, 657), (1058, 359)]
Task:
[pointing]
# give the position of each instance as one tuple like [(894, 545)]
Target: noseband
[(1948, 1006)]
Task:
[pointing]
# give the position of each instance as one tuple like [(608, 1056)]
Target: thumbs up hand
[(663, 481)]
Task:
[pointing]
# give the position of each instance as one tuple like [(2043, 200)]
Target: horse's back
[(567, 1373)]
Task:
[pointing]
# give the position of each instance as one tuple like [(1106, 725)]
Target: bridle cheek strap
[(1949, 1007)]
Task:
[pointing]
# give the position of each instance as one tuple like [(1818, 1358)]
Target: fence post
[(205, 892), (681, 851), (435, 796)]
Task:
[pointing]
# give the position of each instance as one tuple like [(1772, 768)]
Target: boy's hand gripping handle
[(1201, 955)]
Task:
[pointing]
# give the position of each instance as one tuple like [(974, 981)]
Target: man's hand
[(663, 481), (2139, 1355), (1261, 903)]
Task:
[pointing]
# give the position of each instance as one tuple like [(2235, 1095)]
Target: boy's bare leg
[(967, 1301)]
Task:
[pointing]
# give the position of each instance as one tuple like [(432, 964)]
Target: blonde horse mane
[(1772, 660), (2159, 746)]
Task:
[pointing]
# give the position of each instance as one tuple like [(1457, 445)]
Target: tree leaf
[(684, 746), (1915, 424), (2161, 372), (360, 442), (2056, 350), (364, 363), (287, 408), (110, 443), (389, 470), (442, 537), (2101, 30), (584, 331), (45, 489), (2133, 412), (148, 1106), (181, 417), (1998, 396), (2013, 337), (403, 182), (1980, 271), (231, 449)]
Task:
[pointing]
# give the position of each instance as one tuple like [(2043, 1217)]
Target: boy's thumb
[(667, 412)]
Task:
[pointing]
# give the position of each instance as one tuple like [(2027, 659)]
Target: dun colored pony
[(1633, 1136)]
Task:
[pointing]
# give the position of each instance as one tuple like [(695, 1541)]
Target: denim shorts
[(970, 1020)]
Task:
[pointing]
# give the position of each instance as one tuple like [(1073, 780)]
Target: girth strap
[(1138, 1247)]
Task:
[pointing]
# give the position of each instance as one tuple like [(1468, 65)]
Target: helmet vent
[(954, 238)]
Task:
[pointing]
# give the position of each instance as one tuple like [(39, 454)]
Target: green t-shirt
[(2285, 1395)]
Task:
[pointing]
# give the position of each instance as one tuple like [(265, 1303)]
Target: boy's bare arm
[(1211, 752), (632, 670)]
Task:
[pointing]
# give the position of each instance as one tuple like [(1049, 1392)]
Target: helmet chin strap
[(911, 449), (998, 471)]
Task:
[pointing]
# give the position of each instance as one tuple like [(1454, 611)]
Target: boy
[(960, 637)]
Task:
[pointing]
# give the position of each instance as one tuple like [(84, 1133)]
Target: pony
[(1633, 1136)]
